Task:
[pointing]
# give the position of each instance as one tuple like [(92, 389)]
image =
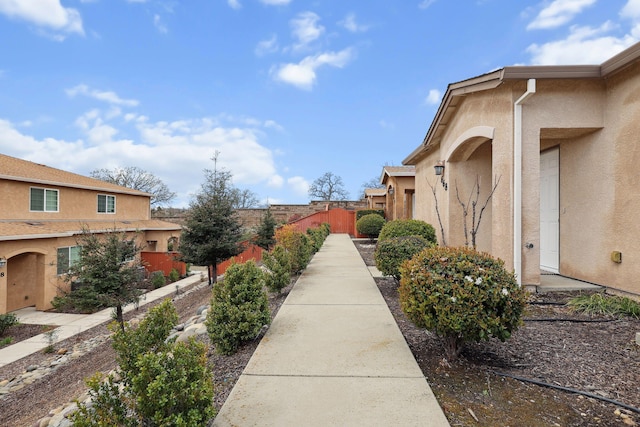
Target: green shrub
[(297, 246), (316, 238), (6, 321), (462, 295), (83, 300), (279, 274), (157, 279), (370, 225), (161, 383), (239, 308), (363, 212), (392, 252), (608, 305), (408, 227), (174, 276)]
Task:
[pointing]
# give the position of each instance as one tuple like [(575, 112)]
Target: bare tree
[(372, 183), (137, 179), (433, 190), (244, 199), (473, 203), (328, 187)]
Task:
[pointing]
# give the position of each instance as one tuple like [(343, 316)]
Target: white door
[(550, 210)]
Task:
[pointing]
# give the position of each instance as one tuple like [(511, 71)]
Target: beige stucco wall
[(595, 124), (399, 204), (30, 276), (72, 204)]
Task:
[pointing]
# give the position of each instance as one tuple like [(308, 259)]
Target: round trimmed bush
[(462, 295), (408, 227), (392, 252), (370, 225)]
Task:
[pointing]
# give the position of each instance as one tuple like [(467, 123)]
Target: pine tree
[(265, 236), (212, 232)]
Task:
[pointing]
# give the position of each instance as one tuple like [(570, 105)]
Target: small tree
[(266, 231), (239, 308), (137, 179), (462, 295), (211, 231), (109, 265), (370, 225), (328, 187)]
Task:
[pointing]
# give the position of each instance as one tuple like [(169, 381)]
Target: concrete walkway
[(72, 324), (333, 356)]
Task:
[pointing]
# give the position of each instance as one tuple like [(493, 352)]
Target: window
[(106, 204), (43, 200), (67, 257)]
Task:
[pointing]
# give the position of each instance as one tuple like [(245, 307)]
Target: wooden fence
[(163, 261), (340, 220)]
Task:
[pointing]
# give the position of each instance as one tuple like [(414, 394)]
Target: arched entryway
[(24, 278)]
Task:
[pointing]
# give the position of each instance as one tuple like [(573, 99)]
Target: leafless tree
[(433, 190), (137, 179), (328, 187), (475, 213)]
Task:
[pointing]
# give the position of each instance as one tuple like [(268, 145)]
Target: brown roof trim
[(494, 79), (110, 189)]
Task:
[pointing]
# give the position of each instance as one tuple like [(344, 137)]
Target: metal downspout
[(517, 178)]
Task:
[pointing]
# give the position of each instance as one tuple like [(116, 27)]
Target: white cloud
[(157, 22), (272, 124), (234, 4), (106, 96), (275, 2), (275, 181), (299, 185), (558, 13), (305, 28), (303, 74), (46, 14), (265, 47), (631, 9), (434, 97), (584, 45), (349, 22), (425, 3)]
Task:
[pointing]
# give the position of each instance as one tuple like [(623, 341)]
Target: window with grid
[(67, 256), (43, 200), (106, 203)]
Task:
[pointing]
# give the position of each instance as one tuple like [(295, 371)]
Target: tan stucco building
[(561, 146), (399, 186), (376, 198), (44, 210)]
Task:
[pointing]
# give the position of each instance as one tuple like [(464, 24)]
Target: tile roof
[(22, 230), (15, 169), (375, 191)]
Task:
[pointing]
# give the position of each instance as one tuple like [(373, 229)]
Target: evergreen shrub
[(363, 212), (7, 320), (297, 246), (174, 276), (239, 308), (157, 279), (408, 227), (392, 252), (279, 274), (370, 225), (461, 295)]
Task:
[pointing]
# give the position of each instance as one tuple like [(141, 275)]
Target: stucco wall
[(72, 204)]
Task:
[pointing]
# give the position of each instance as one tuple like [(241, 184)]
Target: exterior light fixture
[(3, 262), (391, 191), (439, 167)]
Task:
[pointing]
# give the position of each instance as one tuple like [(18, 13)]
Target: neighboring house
[(376, 198), (564, 143), (399, 184), (42, 213)]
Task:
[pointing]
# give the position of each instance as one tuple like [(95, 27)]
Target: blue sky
[(284, 90)]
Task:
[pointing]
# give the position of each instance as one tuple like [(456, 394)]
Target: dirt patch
[(596, 355)]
